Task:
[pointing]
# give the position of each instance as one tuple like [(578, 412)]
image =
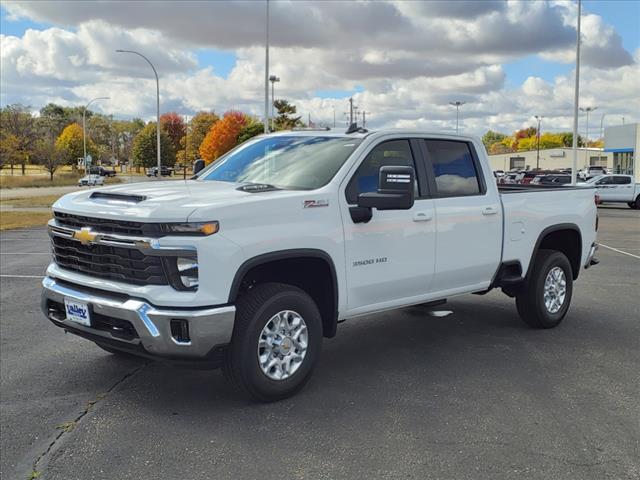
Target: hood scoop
[(257, 187), (117, 197)]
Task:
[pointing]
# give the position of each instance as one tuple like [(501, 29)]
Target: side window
[(454, 169), (394, 152), (622, 180), (605, 181)]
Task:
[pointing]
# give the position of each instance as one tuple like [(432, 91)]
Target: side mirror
[(198, 165), (395, 189)]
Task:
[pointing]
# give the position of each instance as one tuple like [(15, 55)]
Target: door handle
[(489, 211), (422, 217)]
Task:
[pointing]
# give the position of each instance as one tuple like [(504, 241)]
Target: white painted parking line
[(21, 276), (620, 251)]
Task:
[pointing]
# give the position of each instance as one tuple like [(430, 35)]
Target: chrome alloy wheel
[(282, 345), (555, 289)]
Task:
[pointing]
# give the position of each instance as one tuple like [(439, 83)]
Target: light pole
[(273, 79), (84, 128), (602, 126), (586, 140), (157, 106), (576, 97), (333, 107), (457, 104), (266, 76), (539, 119)]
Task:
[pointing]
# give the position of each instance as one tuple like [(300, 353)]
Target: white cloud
[(411, 59)]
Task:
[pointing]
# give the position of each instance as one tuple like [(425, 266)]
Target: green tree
[(197, 129), (250, 130), (144, 151), (492, 137), (286, 119)]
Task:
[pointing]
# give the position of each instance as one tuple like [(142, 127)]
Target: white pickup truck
[(249, 265), (616, 189)]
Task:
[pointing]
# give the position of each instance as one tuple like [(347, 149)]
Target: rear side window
[(622, 180), (394, 152), (454, 168)]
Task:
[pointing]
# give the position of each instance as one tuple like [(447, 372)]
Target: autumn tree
[(173, 124), (286, 119), (197, 129), (47, 155), (9, 149), (223, 136), (19, 127), (70, 145), (144, 151)]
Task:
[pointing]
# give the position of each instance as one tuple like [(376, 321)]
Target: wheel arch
[(318, 279), (564, 237)]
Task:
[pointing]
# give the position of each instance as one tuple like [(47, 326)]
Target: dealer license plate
[(77, 312)]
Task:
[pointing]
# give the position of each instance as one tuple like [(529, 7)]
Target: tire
[(531, 300), (258, 310), (631, 204), (637, 203)]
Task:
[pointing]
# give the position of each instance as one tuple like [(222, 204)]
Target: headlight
[(188, 272), (195, 228)]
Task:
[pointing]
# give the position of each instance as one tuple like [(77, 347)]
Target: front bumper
[(210, 329)]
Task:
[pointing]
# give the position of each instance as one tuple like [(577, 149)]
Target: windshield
[(288, 162)]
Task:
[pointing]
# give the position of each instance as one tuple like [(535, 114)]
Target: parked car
[(249, 265), (527, 177), (91, 180), (510, 179), (616, 189), (103, 172), (592, 171), (551, 179), (164, 171)]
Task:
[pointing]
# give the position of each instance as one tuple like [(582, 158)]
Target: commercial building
[(623, 143), (551, 159)]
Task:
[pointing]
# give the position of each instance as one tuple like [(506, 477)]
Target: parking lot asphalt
[(401, 394)]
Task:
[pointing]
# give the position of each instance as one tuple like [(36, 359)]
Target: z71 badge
[(315, 203)]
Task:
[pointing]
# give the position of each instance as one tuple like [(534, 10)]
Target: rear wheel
[(276, 342), (636, 204), (545, 299)]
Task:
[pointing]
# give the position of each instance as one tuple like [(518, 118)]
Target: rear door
[(624, 189), (468, 214)]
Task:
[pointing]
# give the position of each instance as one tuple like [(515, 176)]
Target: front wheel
[(545, 298), (636, 204), (276, 342)]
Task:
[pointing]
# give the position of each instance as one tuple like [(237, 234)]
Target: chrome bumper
[(590, 258), (208, 327)]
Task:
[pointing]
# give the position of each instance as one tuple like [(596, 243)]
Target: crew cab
[(251, 263), (616, 189)]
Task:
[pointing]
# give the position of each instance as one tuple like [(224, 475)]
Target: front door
[(391, 257)]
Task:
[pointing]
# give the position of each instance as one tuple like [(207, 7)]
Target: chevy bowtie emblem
[(85, 236)]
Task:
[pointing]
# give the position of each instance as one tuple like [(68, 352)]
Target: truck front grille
[(113, 263), (106, 225)]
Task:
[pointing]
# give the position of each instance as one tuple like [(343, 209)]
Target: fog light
[(188, 271)]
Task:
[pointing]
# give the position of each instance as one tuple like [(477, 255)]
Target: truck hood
[(168, 201)]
